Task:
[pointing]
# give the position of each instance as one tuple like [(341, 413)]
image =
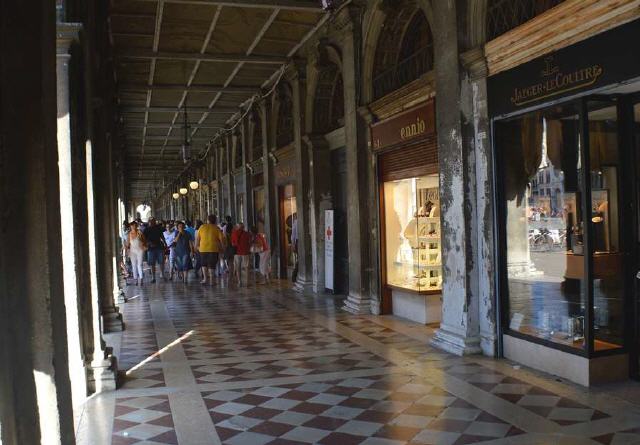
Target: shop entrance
[(635, 139), (288, 230), (341, 222)]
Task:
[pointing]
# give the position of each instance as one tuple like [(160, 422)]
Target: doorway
[(341, 223), (288, 230)]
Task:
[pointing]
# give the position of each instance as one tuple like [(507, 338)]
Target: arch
[(143, 211), (284, 115), (393, 56), (328, 99), (505, 15)]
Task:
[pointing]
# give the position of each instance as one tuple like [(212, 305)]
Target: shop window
[(408, 61), (505, 15), (559, 260), (412, 229), (544, 253)]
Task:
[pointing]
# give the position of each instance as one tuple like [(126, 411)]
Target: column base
[(357, 305), (103, 373), (112, 320), (119, 296), (455, 343), (375, 307), (303, 285)]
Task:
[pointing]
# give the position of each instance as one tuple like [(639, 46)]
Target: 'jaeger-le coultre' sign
[(555, 82), (411, 124), (603, 60)]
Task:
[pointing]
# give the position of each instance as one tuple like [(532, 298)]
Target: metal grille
[(505, 15), (284, 132), (415, 57)]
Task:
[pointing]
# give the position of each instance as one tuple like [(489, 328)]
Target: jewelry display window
[(413, 234)]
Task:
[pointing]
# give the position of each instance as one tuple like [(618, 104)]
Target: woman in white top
[(136, 247)]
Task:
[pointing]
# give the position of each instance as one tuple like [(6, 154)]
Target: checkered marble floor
[(264, 365)]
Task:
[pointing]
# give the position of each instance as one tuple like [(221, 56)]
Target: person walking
[(136, 246), (169, 236), (182, 245), (155, 247), (260, 246), (242, 247), (209, 242)]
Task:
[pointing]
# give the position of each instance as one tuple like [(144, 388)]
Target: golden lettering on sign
[(413, 129), (556, 82), (285, 172)]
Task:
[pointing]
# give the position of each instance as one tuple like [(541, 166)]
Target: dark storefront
[(566, 133)]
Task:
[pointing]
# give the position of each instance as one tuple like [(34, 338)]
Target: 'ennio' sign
[(415, 123)]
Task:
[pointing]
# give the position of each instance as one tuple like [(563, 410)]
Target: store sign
[(328, 250), (603, 60), (412, 124), (554, 82)]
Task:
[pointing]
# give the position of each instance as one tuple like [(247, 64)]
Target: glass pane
[(412, 231), (608, 270), (541, 159)]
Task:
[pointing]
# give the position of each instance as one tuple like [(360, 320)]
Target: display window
[(563, 261), (412, 234)]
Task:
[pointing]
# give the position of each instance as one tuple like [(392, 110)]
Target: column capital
[(66, 35), (296, 70), (475, 63), (315, 141)]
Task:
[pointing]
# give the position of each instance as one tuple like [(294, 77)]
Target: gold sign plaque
[(554, 82), (411, 124)]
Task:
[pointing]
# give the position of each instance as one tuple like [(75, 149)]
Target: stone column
[(269, 178), (305, 276), (67, 34), (119, 296), (228, 147), (459, 330), (246, 175), (103, 364), (320, 200), (358, 300), (35, 394), (221, 186)]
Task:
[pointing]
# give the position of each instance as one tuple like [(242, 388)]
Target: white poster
[(328, 249)]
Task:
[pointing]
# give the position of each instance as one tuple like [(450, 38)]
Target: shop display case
[(413, 234)]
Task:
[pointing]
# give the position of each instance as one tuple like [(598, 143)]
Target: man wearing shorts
[(209, 242)]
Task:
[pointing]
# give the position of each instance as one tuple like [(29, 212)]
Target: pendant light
[(176, 195)]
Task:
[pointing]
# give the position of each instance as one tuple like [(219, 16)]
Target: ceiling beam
[(192, 88), (294, 5), (219, 110), (163, 138), (131, 126), (134, 53)]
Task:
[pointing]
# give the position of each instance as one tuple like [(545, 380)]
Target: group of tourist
[(211, 250)]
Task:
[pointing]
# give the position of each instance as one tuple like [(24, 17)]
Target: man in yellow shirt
[(209, 242)]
